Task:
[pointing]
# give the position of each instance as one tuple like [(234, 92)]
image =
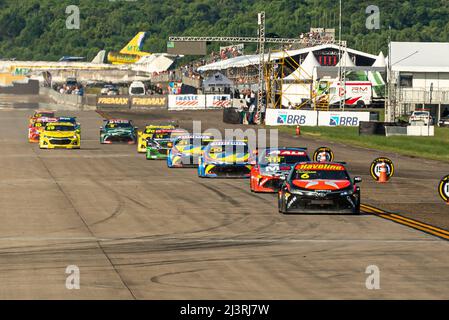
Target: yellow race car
[(149, 131), (60, 135)]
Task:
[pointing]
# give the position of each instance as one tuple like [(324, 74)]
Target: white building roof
[(420, 56), (305, 70), (249, 60)]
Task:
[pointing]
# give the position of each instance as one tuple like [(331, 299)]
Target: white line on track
[(183, 240)]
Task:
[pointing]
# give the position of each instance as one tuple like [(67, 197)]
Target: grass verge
[(435, 148)]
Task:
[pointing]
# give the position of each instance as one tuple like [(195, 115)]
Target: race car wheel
[(357, 207), (281, 203)]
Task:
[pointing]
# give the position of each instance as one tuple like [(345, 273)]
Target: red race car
[(273, 164), (40, 114), (34, 131)]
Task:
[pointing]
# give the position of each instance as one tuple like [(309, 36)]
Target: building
[(419, 77)]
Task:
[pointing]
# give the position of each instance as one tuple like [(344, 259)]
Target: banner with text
[(218, 101), (342, 118), (186, 102), (149, 102), (280, 117)]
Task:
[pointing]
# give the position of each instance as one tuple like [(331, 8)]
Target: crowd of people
[(77, 89), (248, 105)]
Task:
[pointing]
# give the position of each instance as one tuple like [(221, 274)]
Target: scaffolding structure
[(282, 92)]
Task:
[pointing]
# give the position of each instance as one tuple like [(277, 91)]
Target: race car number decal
[(443, 189), (378, 164), (323, 154), (305, 176)]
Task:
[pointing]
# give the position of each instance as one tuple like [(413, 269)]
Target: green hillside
[(36, 29)]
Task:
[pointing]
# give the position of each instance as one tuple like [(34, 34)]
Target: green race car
[(159, 144), (118, 130)]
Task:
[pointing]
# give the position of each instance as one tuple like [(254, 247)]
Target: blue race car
[(71, 120), (186, 150), (226, 159)]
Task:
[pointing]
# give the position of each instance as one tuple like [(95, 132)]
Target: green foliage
[(35, 29)]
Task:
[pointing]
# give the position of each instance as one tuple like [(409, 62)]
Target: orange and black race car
[(272, 165), (317, 187)]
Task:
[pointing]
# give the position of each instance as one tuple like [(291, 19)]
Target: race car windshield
[(287, 159), (320, 174), (161, 136), (59, 128), (45, 114), (186, 142), (214, 150), (118, 125)]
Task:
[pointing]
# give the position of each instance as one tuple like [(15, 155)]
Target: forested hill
[(36, 29)]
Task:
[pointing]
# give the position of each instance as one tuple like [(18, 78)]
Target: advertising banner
[(113, 101), (149, 102), (186, 102), (218, 101), (342, 118), (282, 117)]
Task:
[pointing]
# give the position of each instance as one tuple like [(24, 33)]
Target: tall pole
[(261, 22), (339, 55)]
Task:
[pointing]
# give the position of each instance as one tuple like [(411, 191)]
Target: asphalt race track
[(138, 230)]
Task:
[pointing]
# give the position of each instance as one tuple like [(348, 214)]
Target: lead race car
[(273, 164), (118, 130), (187, 149), (160, 143), (317, 187), (226, 159)]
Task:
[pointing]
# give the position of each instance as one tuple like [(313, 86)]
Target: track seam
[(85, 224)]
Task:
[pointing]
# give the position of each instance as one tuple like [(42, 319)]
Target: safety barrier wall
[(279, 117), (64, 99)]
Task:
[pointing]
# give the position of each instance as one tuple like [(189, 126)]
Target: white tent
[(345, 61), (380, 61), (305, 70)]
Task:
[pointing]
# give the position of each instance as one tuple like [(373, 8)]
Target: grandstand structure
[(261, 40)]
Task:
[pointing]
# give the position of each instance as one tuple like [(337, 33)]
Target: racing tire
[(281, 204), (361, 104), (356, 210)]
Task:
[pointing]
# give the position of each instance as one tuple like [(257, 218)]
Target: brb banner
[(279, 117), (348, 119)]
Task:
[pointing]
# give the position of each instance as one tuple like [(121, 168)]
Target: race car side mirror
[(357, 180)]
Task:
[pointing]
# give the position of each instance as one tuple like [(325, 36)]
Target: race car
[(71, 120), (272, 164), (160, 143), (226, 159), (187, 149), (40, 114), (118, 130), (142, 136), (60, 135), (38, 126), (317, 187)]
